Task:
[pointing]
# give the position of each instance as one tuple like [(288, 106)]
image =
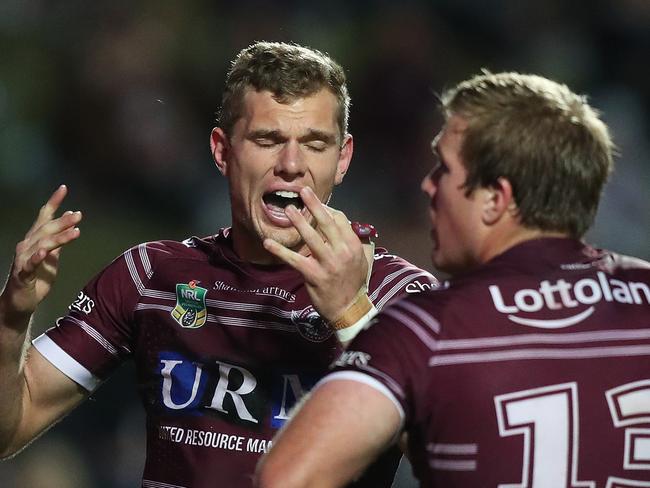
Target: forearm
[(336, 433), (33, 393), (14, 338)]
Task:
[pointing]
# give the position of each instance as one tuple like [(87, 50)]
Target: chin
[(440, 263), (288, 237)]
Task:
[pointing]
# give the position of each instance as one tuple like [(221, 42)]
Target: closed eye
[(266, 138), (265, 142), (318, 140), (317, 146)]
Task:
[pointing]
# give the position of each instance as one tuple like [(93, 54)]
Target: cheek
[(323, 175)]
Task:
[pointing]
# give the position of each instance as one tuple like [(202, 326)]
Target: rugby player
[(530, 367), (224, 335)]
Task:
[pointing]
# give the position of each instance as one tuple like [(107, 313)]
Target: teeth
[(286, 194)]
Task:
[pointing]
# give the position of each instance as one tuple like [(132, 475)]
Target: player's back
[(532, 371), (544, 381)]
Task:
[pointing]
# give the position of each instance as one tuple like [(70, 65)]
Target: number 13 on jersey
[(548, 419)]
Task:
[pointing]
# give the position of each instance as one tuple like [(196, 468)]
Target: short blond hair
[(288, 71), (546, 140)]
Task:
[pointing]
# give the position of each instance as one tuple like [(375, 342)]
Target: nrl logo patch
[(190, 310)]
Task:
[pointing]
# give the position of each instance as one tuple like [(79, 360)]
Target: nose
[(291, 160), (428, 184)]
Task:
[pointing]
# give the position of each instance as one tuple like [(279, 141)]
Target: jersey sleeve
[(392, 354), (97, 334), (393, 277)]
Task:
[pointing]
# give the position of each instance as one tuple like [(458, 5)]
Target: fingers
[(48, 210), (292, 258), (310, 236), (325, 217), (43, 241), (52, 234), (52, 240), (30, 257)]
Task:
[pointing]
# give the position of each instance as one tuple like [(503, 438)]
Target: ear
[(345, 156), (499, 202), (219, 146)]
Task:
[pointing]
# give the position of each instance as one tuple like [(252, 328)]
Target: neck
[(516, 235), (250, 249)]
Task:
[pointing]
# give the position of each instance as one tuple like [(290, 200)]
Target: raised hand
[(36, 261), (336, 269)]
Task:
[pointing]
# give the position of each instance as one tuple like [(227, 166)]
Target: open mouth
[(280, 199)]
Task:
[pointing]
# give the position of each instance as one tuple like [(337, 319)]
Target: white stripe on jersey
[(101, 340), (366, 380), (221, 320), (158, 484), (564, 338), (460, 449), (256, 324), (153, 306), (392, 276), (144, 257), (163, 295), (133, 271), (415, 327), (240, 306), (547, 353), (452, 465), (420, 313), (65, 363), (250, 307), (395, 289), (447, 463)]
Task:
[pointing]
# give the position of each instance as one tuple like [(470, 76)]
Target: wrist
[(355, 318), (13, 319), (360, 307)]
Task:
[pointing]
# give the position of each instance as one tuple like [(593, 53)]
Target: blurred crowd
[(117, 99)]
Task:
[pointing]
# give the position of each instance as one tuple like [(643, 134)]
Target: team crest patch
[(311, 325), (190, 310)]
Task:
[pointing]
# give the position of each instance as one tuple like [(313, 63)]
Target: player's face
[(455, 217), (275, 150)]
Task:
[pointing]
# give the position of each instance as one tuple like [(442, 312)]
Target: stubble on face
[(279, 146)]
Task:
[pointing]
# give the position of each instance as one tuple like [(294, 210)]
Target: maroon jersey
[(532, 371), (223, 349)]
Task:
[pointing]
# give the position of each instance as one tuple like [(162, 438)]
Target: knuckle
[(21, 247)]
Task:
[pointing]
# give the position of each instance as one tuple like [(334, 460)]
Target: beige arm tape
[(358, 314)]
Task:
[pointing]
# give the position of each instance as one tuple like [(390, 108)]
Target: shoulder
[(393, 277), (621, 262), (157, 251), (385, 264), (450, 307), (143, 260)]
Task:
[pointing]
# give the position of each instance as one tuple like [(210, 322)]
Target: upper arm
[(338, 431), (48, 395)]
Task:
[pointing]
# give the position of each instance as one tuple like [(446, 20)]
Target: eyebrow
[(272, 134)]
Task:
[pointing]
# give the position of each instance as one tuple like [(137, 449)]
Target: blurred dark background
[(117, 99)]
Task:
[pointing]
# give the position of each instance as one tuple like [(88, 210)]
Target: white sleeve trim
[(366, 380), (65, 363), (350, 332)]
